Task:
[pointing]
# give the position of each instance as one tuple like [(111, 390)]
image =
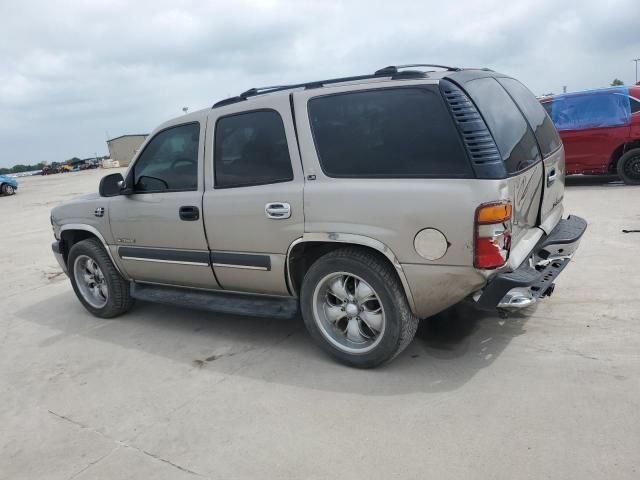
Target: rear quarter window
[(543, 128), (393, 132), (512, 134)]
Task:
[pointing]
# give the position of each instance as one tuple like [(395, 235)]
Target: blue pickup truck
[(8, 185)]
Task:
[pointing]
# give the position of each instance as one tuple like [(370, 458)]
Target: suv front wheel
[(97, 283), (355, 309)]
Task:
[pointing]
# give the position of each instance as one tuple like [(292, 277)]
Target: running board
[(219, 302)]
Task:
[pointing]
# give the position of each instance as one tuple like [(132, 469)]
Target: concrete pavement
[(165, 393)]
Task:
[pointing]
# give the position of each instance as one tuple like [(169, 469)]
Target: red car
[(600, 130)]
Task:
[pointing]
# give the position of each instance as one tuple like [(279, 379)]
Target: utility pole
[(636, 60)]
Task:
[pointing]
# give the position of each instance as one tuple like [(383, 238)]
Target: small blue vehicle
[(8, 185)]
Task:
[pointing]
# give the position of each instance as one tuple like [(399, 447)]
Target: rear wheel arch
[(306, 250)]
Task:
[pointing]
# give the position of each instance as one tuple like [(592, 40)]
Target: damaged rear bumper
[(535, 277)]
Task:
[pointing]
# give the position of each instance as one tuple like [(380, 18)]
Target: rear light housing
[(492, 235)]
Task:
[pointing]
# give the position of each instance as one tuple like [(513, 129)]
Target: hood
[(76, 208), (84, 198)]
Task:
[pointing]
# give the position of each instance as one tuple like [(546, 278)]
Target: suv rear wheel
[(355, 309), (97, 283), (629, 167)]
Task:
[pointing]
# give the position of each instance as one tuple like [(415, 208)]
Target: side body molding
[(94, 231), (356, 240)]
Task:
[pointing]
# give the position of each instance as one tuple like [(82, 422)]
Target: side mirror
[(111, 185)]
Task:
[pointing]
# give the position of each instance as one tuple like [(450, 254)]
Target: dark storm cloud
[(72, 72)]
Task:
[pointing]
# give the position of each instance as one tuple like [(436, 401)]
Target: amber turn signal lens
[(494, 213)]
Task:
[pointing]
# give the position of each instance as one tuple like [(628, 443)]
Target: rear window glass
[(635, 105), (595, 109), (543, 129), (399, 132), (511, 132)]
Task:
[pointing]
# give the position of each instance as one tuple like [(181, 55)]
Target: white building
[(123, 148)]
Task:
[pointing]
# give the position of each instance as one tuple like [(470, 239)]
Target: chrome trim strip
[(174, 262), (94, 231), (353, 239), (230, 265)]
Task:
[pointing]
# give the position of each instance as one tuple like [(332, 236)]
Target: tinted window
[(170, 161), (596, 109), (511, 132), (635, 105), (540, 122), (251, 149), (547, 107), (404, 132)]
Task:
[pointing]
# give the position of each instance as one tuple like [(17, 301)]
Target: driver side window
[(169, 163)]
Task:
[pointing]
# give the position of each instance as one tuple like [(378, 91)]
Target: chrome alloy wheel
[(348, 312), (90, 281)]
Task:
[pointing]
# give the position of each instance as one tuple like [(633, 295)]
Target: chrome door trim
[(247, 267), (157, 260)]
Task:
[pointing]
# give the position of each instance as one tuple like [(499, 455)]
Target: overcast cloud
[(72, 73)]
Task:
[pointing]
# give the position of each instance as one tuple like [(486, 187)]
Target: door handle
[(189, 213), (277, 210), (551, 177)]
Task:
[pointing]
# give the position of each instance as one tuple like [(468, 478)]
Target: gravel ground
[(168, 394)]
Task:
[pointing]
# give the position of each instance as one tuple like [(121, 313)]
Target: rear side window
[(397, 132), (540, 122), (511, 132), (635, 105), (251, 149)]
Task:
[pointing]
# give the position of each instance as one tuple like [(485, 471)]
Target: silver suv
[(366, 202)]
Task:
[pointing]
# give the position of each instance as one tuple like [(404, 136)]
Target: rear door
[(253, 202)]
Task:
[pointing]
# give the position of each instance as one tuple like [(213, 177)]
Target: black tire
[(119, 300), (629, 167), (401, 324), (8, 189)]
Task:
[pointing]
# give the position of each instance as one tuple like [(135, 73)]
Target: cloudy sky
[(74, 72)]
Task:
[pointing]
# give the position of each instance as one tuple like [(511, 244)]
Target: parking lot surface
[(165, 393)]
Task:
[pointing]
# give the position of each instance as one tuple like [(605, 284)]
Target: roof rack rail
[(391, 71), (395, 69)]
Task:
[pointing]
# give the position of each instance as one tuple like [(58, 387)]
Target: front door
[(158, 229), (253, 206)]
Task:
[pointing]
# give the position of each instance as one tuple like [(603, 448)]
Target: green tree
[(617, 82)]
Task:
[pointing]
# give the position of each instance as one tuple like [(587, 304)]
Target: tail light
[(492, 235)]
